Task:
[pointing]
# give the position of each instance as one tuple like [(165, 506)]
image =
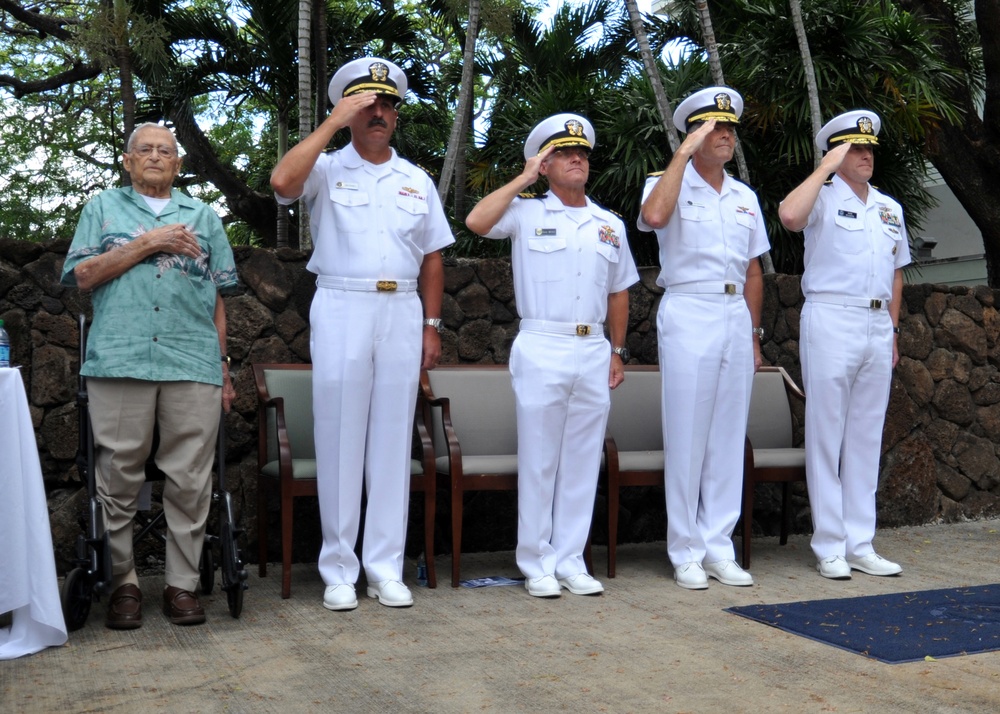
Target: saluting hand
[(834, 158), (693, 141), (349, 107), (532, 166)]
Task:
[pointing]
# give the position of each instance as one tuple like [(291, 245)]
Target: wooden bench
[(473, 425), (287, 457), (633, 449)]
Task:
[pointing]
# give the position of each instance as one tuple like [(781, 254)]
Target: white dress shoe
[(582, 584), (691, 576), (728, 572), (391, 593), (875, 564), (340, 597), (835, 567), (545, 586)]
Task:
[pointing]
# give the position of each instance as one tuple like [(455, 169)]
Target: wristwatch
[(623, 353), (436, 322), (225, 358), (759, 331)]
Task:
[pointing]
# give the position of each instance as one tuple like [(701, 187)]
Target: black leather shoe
[(182, 607), (125, 608)]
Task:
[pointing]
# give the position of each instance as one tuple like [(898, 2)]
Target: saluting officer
[(855, 249), (711, 232), (572, 270), (377, 227)]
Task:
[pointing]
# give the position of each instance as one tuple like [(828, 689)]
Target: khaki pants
[(123, 413)]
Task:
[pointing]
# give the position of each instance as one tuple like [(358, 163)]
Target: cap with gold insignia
[(368, 74), (560, 131), (860, 126), (723, 104)]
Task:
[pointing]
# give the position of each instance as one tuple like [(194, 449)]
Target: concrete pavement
[(646, 645)]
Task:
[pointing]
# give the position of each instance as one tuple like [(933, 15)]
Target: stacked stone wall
[(940, 444)]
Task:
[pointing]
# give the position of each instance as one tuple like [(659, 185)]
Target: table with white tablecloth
[(29, 589)]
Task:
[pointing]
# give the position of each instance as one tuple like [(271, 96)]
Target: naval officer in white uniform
[(855, 249), (711, 233), (572, 270), (377, 227)]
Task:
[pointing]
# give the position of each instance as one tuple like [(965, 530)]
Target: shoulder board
[(654, 174), (426, 171), (828, 182), (609, 210), (531, 195), (737, 179), (888, 196)]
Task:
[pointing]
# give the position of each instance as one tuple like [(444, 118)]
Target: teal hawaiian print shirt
[(155, 321)]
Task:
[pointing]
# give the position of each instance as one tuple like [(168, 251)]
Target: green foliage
[(234, 66)]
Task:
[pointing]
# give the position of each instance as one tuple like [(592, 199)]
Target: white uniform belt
[(706, 288), (848, 301), (581, 329), (366, 285)]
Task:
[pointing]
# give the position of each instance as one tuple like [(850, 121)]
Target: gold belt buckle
[(875, 305), (582, 330), (386, 286), (729, 289)]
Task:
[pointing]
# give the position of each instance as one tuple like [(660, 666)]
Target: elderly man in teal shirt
[(157, 262)]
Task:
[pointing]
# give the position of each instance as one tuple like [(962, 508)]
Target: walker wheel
[(76, 597)]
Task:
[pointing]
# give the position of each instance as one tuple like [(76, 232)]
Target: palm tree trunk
[(715, 65), (456, 140), (319, 61), (282, 222), (649, 62), (305, 101), (809, 71)]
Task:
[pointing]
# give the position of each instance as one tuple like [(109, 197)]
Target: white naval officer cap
[(860, 126), (368, 74), (561, 131), (723, 104)]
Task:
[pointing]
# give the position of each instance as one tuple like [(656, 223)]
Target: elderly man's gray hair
[(147, 125)]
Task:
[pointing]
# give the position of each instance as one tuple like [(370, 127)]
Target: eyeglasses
[(144, 150)]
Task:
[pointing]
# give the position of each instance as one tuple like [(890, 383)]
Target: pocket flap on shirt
[(546, 245), (348, 198)]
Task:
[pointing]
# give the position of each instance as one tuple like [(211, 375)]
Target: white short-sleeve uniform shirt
[(853, 248), (711, 236), (566, 261), (371, 220)]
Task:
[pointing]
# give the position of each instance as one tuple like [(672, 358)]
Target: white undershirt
[(156, 205)]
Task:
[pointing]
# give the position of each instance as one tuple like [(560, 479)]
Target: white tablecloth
[(28, 585)]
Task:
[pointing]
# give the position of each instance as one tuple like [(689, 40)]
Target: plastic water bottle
[(422, 571), (4, 347)]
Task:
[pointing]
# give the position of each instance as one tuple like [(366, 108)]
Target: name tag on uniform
[(847, 214), (346, 185), (545, 231)]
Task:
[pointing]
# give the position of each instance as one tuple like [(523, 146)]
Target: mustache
[(377, 121)]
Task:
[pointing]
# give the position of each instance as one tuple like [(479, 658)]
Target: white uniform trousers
[(846, 355), (366, 350), (123, 413), (563, 399), (706, 359)]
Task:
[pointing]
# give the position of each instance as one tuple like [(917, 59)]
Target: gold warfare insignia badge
[(723, 101), (574, 128), (378, 71), (865, 125)]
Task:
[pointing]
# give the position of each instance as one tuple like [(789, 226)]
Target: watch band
[(436, 322)]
